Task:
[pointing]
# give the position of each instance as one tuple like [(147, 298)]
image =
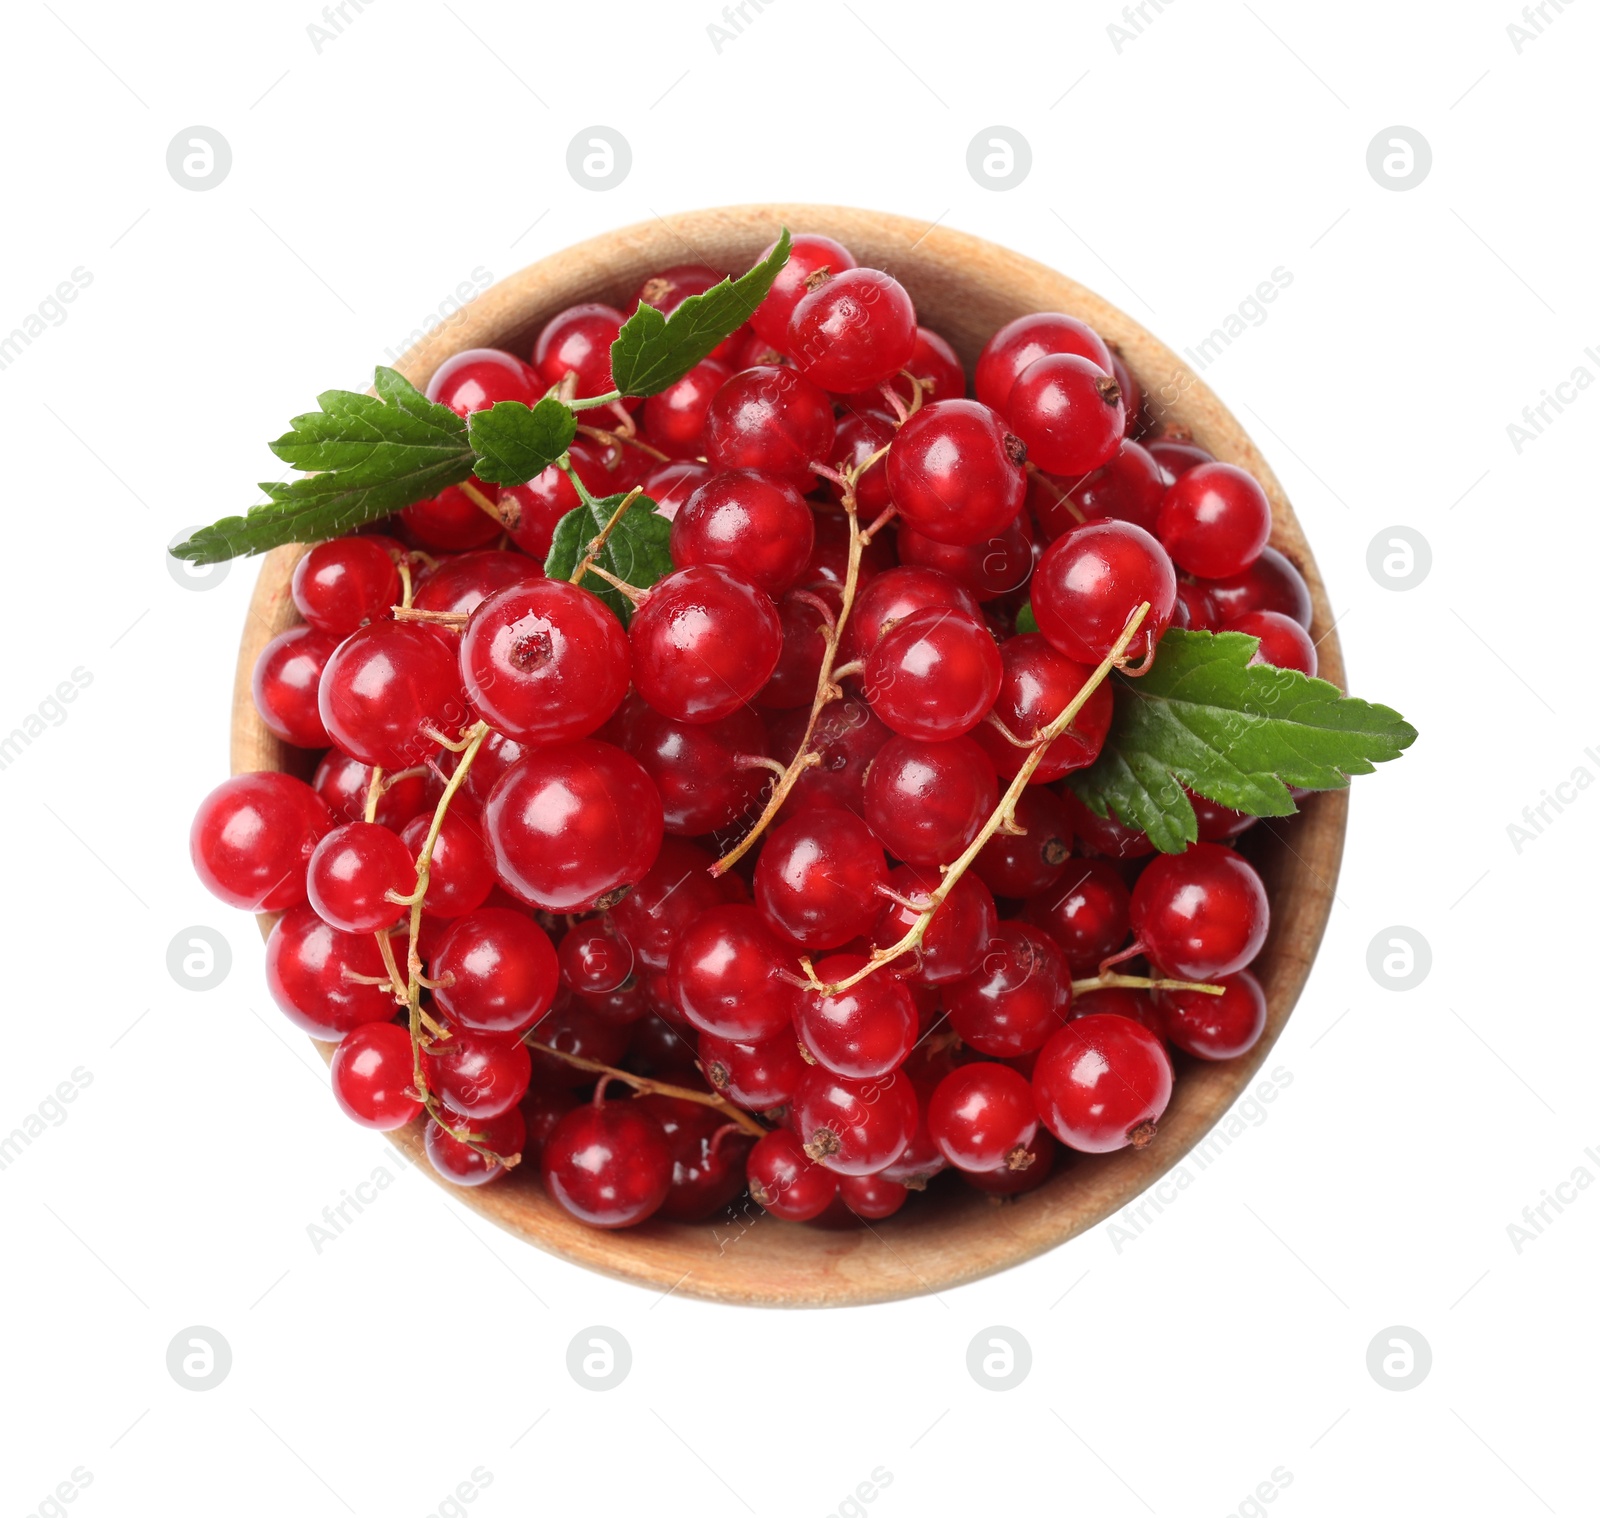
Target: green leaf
[(1026, 621), (653, 351), (1239, 734), (516, 443), (636, 551), (372, 454)]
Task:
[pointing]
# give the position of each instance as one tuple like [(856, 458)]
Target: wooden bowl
[(964, 288)]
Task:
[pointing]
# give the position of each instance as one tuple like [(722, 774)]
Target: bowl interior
[(964, 288)]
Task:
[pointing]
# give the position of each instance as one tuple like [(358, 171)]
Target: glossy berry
[(793, 681), (544, 661), (310, 970), (542, 1108), (786, 1181), (1090, 582), (934, 362), (895, 595), (726, 973), (463, 583), (1214, 521), (371, 1073), (1271, 583), (993, 567), (343, 783), (573, 1028), (853, 329), (955, 472), (982, 1117), (1178, 455), (1086, 912), (817, 877), (1216, 823), (671, 485), (1042, 1153), (478, 377), (344, 582), (1037, 685), (451, 521), (1216, 1027), (461, 868), (756, 526), (1023, 342), (854, 1127), (675, 418), (1068, 413), (384, 685), (572, 825), (1200, 914), (708, 1157), (704, 642), (351, 873), (578, 341), (934, 675), (461, 1164), (284, 685), (957, 935), (702, 770), (1026, 864), (1107, 835), (594, 959), (808, 255), (859, 435), (1194, 608), (872, 1197), (866, 1029), (1019, 995), (478, 1076), (498, 972), (668, 289), (1101, 1083), (756, 1075), (845, 739), (1283, 642), (1127, 488), (657, 912), (253, 837), (772, 420), (927, 801), (1122, 1001)]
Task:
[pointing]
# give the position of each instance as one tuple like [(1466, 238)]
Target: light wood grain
[(965, 288)]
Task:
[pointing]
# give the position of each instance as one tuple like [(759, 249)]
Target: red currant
[(1039, 684), (675, 418), (1023, 342), (657, 912), (702, 770), (854, 328), (708, 1157), (846, 738), (994, 567), (1105, 835), (555, 823), (1017, 997), (726, 976), (383, 685), (498, 972), (808, 254), (786, 1181), (854, 1127), (1177, 456), (343, 783), (1128, 488), (372, 1076), (1068, 413), (895, 595), (757, 1075), (872, 1197), (595, 960), (1215, 521), (1271, 583), (955, 472), (578, 341), (351, 873), (1004, 1182), (1283, 642), (253, 837), (461, 870), (927, 801), (318, 976), (460, 1163), (1092, 580), (957, 934), (1216, 1027), (671, 485), (773, 420), (451, 521), (477, 1076), (793, 681), (981, 1116), (463, 583), (934, 675), (1101, 1083), (344, 582), (865, 1030), (284, 683), (1028, 863), (478, 377), (758, 527), (1200, 914), (1086, 912), (704, 642), (817, 878)]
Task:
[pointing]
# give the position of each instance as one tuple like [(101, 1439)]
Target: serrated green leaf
[(1237, 733), (515, 443), (1026, 621), (636, 551), (653, 351), (372, 454)]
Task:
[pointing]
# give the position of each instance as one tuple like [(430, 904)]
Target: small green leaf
[(653, 351), (371, 455), (636, 551), (1026, 622), (516, 443), (1237, 733)]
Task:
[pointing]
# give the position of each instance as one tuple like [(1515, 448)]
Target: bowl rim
[(943, 1242)]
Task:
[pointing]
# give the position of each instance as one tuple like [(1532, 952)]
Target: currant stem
[(564, 464), (646, 1086), (587, 402), (1143, 983), (601, 435), (438, 618), (386, 949), (481, 501), (1001, 815), (597, 544), (473, 1141), (374, 791)]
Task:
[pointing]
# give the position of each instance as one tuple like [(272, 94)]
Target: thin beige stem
[(396, 980), (1002, 813), (481, 501), (438, 618), (642, 1084), (1143, 983), (596, 545), (374, 791)]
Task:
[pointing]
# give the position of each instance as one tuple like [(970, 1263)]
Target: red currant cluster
[(794, 842)]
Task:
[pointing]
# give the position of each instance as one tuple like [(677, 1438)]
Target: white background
[(1170, 1376)]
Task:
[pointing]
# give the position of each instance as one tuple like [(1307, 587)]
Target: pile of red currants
[(776, 886)]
